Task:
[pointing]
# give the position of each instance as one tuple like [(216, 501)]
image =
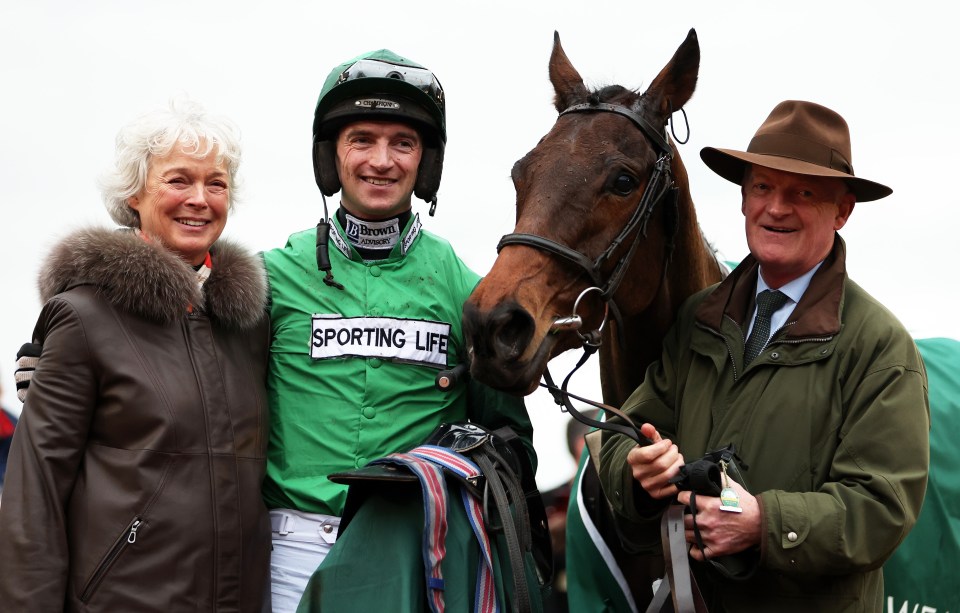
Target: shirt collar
[(794, 289)]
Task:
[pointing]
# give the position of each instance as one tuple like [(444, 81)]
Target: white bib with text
[(404, 340)]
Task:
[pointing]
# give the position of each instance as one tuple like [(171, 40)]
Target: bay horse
[(603, 202)]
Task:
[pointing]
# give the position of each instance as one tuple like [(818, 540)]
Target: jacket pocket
[(123, 542)]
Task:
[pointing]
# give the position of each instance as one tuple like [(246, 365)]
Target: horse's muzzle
[(497, 342)]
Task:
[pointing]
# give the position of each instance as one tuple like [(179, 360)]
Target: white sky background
[(74, 72)]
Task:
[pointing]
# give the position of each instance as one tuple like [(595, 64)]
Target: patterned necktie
[(768, 301)]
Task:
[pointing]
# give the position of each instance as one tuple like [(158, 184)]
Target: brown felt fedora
[(800, 137)]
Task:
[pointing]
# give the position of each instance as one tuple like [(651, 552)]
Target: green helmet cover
[(381, 73)]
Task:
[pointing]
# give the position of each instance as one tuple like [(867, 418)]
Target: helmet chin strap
[(433, 206), (323, 249)]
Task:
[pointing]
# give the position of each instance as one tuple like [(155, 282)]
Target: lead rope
[(678, 583)]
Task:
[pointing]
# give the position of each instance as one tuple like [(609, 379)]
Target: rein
[(591, 343), (562, 397)]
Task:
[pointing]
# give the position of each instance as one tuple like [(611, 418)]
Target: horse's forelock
[(617, 94), (613, 94)]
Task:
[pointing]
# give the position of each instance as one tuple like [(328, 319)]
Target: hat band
[(793, 146)]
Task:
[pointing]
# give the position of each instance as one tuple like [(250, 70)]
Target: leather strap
[(660, 597), (657, 137), (679, 581), (513, 531)]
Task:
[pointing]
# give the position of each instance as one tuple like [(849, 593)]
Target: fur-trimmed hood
[(146, 279)]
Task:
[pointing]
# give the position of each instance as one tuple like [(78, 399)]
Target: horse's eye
[(624, 184)]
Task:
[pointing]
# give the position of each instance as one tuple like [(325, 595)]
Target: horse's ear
[(567, 82), (674, 86)]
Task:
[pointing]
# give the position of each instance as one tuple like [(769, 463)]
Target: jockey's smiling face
[(377, 163), (791, 220)]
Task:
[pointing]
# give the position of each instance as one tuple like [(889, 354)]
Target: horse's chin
[(518, 377)]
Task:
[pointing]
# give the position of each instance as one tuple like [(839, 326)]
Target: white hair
[(185, 123)]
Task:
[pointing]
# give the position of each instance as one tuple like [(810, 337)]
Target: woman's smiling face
[(184, 202)]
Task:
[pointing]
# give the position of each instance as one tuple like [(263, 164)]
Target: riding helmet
[(381, 85)]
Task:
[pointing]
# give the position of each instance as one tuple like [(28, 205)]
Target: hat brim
[(731, 165)]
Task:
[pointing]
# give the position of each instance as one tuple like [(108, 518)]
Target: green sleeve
[(637, 514)]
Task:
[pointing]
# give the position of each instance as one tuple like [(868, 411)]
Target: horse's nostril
[(474, 332), (512, 331), (501, 334)]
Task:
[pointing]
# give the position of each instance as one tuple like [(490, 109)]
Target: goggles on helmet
[(421, 78)]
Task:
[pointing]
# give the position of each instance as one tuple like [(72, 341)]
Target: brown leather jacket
[(135, 473)]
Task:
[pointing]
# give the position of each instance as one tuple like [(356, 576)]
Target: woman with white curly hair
[(134, 477)]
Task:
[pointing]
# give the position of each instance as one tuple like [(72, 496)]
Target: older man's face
[(791, 220)]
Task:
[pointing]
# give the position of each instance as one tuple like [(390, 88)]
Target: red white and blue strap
[(448, 459), (434, 521), (486, 596), (485, 599)]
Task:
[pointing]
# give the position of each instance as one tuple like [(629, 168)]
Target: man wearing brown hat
[(818, 387)]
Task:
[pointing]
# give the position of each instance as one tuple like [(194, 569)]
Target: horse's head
[(583, 220)]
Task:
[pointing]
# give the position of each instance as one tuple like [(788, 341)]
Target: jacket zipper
[(808, 339), (733, 362), (128, 537), (797, 341)]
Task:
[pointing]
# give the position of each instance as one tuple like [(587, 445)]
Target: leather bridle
[(660, 187)]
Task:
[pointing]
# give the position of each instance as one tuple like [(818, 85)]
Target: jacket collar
[(146, 279), (816, 315)]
